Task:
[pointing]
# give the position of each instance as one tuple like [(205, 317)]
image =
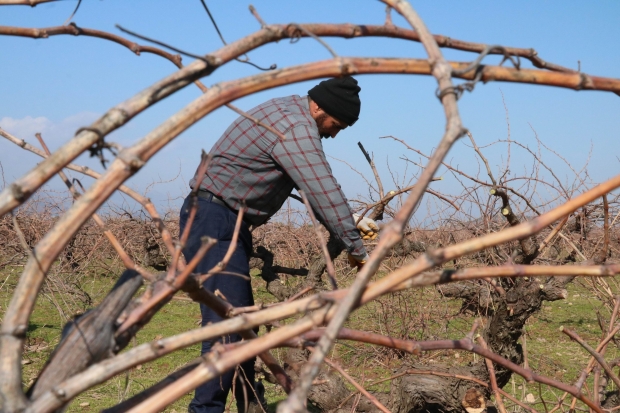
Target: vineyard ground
[(549, 351)]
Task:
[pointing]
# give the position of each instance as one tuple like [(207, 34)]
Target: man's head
[(335, 104)]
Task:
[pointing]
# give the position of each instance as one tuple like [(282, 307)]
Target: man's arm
[(301, 156)]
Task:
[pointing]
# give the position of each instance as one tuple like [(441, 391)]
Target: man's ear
[(314, 108)]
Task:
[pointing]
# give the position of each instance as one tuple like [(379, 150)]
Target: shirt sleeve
[(302, 158)]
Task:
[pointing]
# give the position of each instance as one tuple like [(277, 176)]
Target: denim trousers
[(217, 221)]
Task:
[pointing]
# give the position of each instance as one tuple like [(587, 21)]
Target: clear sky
[(56, 85)]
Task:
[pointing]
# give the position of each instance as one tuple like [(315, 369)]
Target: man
[(253, 167)]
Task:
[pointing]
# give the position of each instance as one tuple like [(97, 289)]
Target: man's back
[(243, 169)]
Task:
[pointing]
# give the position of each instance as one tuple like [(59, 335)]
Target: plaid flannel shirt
[(254, 167)]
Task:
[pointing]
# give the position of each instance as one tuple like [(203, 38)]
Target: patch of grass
[(552, 353)]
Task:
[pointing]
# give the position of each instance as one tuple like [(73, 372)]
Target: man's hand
[(368, 227), (356, 263)]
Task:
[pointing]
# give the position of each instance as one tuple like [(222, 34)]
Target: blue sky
[(57, 85)]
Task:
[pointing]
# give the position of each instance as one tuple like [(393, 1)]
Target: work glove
[(368, 227), (357, 262)]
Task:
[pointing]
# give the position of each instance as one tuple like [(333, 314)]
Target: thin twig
[(217, 29), (246, 59), (572, 245), (484, 159), (162, 44), (546, 242), (205, 160), (73, 14), (388, 16), (476, 63), (355, 384), (205, 246), (575, 337), (257, 16), (221, 266), (315, 37), (606, 227), (20, 235), (494, 387), (256, 121), (300, 293), (374, 169)]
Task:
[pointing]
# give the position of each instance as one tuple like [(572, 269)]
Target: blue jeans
[(217, 221)]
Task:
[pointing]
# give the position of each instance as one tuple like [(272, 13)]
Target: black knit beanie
[(339, 98)]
